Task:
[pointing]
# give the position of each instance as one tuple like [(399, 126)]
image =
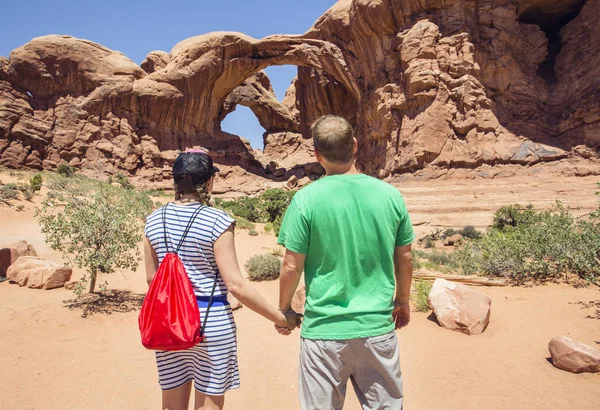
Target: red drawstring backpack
[(170, 318)]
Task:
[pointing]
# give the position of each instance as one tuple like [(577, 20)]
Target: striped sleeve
[(222, 222)]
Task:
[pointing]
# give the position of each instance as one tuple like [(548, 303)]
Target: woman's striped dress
[(212, 364)]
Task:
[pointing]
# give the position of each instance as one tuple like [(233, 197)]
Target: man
[(351, 234)]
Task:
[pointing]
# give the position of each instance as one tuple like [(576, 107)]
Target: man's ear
[(355, 146), (318, 156)]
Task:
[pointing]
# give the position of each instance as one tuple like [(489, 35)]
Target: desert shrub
[(8, 192), (449, 232), (467, 232), (263, 267), (28, 194), (535, 245), (429, 243), (20, 208), (253, 232), (35, 183), (269, 227), (277, 251), (470, 232), (277, 225), (437, 257), (156, 192), (124, 181), (65, 170), (416, 261), (420, 295), (218, 202), (513, 216), (242, 223), (275, 202), (95, 226), (244, 207)]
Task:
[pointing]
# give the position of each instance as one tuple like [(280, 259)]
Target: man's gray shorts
[(372, 364)]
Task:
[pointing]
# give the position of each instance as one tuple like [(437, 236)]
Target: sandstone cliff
[(432, 85)]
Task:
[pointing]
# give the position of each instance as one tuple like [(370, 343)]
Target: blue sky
[(136, 28)]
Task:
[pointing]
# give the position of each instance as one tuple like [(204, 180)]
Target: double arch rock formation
[(428, 84)]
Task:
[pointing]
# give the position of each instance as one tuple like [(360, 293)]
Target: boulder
[(37, 273), (460, 308), (573, 356), (292, 183), (453, 240), (9, 254), (299, 299)]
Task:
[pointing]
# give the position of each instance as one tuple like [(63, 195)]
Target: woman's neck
[(187, 199)]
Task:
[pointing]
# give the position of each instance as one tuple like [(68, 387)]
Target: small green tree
[(36, 182), (99, 231), (275, 202), (65, 170)]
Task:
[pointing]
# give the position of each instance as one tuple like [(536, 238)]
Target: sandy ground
[(52, 358)]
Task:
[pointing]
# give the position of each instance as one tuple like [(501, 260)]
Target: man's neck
[(334, 169)]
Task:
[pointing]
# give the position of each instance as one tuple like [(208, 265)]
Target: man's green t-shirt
[(348, 226)]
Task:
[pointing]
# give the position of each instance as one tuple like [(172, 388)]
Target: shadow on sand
[(107, 303)]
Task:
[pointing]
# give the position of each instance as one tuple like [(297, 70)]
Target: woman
[(208, 253)]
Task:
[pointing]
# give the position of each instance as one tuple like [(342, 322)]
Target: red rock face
[(433, 85)]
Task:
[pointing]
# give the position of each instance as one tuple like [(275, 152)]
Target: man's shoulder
[(383, 187)]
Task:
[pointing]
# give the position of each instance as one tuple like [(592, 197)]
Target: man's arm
[(403, 272), (291, 271)]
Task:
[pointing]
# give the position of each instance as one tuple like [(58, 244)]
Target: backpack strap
[(188, 227), (210, 302)]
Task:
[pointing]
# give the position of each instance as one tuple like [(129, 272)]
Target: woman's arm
[(239, 287), (150, 260)]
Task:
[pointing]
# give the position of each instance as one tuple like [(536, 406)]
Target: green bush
[(277, 251), (65, 170), (470, 232), (36, 182), (253, 232), (512, 216), (467, 232), (242, 223), (124, 181), (420, 295), (28, 194), (8, 192), (20, 208), (244, 207), (275, 202), (449, 232), (277, 225), (263, 267), (527, 245), (269, 227)]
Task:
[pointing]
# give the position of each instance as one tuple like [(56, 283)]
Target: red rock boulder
[(37, 273), (460, 308), (9, 254), (573, 356)]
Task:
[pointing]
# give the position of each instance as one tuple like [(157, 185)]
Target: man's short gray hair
[(333, 137)]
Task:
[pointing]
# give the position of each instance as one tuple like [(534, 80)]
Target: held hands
[(401, 313), (289, 321)]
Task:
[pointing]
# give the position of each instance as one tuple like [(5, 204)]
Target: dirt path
[(54, 359)]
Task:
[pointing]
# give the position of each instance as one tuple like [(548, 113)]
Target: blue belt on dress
[(217, 301)]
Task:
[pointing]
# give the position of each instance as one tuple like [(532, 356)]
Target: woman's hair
[(184, 185)]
